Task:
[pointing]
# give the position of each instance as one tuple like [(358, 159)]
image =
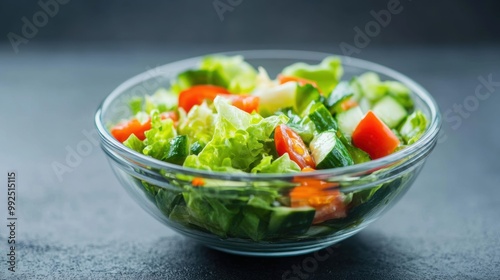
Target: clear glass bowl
[(226, 214)]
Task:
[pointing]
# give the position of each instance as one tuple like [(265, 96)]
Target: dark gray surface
[(87, 227)]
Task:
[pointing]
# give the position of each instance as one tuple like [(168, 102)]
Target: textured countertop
[(86, 227)]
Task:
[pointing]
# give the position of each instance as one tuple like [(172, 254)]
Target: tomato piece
[(195, 95), (287, 141), (301, 81), (198, 182), (124, 129), (374, 137), (247, 103)]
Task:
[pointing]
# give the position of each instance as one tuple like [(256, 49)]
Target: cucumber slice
[(290, 221), (372, 86), (390, 111), (179, 150), (190, 78), (349, 119), (342, 92), (329, 152), (322, 118)]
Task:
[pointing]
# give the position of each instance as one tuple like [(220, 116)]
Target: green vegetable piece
[(162, 100), (166, 200), (371, 86), (290, 221), (217, 215), (282, 164), (178, 150), (329, 152), (134, 143), (401, 93), (358, 155), (390, 111), (326, 74), (191, 78), (304, 96), (157, 142), (239, 141), (349, 120), (199, 124), (342, 92), (413, 127), (322, 118), (135, 104), (196, 148)]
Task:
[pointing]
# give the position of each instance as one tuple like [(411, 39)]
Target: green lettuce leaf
[(198, 124), (282, 164), (239, 141), (373, 89), (238, 74), (413, 127), (134, 143), (326, 74), (162, 100), (157, 142)]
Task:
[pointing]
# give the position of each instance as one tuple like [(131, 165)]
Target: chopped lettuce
[(239, 75), (413, 127), (135, 105), (162, 100), (326, 74), (157, 142), (282, 164), (400, 92), (190, 78), (239, 140), (198, 124), (134, 143), (373, 89), (276, 97)]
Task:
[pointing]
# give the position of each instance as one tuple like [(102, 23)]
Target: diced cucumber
[(196, 148), (259, 220), (290, 221), (304, 96), (400, 92), (329, 152), (364, 105), (342, 92), (179, 150), (390, 111), (349, 119), (371, 86), (322, 118)]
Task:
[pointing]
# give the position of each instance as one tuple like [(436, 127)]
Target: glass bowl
[(246, 213)]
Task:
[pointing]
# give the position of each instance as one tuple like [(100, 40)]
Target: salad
[(227, 116)]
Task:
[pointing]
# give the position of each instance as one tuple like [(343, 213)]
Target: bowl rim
[(414, 149)]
